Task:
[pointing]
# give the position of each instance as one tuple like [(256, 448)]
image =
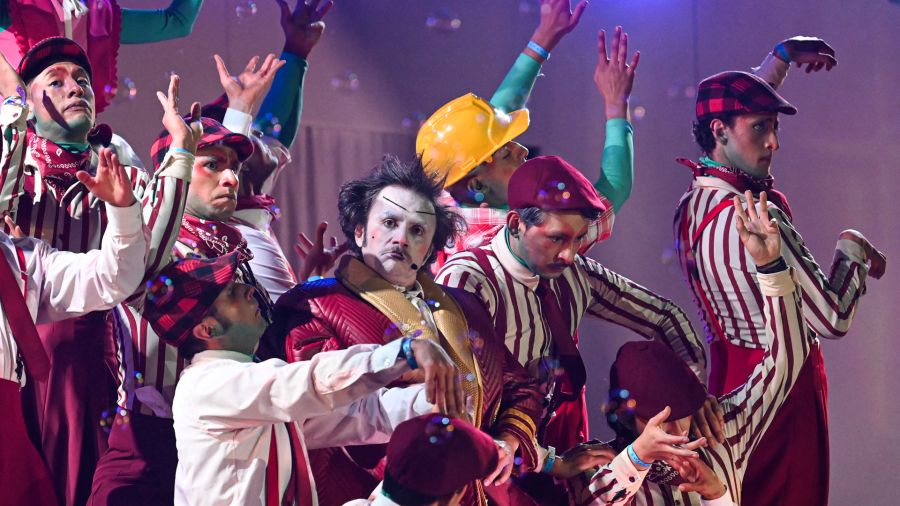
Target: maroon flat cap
[(214, 133), (655, 377), (49, 51), (434, 455), (735, 92), (183, 293), (552, 184)]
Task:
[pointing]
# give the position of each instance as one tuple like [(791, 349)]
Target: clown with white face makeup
[(381, 292)]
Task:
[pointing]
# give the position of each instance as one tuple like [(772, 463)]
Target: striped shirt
[(727, 274), (586, 288), (483, 223), (748, 410)]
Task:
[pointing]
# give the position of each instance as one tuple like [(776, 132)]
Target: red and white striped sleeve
[(12, 128), (829, 301), (163, 202), (463, 271), (613, 484), (619, 300), (750, 409)]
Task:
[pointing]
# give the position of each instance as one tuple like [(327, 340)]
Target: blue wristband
[(550, 460), (635, 459), (781, 52), (180, 150), (534, 46), (406, 346)]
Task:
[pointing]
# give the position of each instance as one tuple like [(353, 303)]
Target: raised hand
[(303, 28), (614, 76), (582, 457), (812, 51), (557, 19), (655, 443), (698, 478), (507, 446), (316, 258), (245, 90), (111, 184), (185, 134), (10, 82), (442, 385), (709, 422), (15, 231), (759, 234), (877, 259)]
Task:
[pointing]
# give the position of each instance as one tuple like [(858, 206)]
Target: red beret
[(735, 92), (434, 455), (552, 184), (655, 377)]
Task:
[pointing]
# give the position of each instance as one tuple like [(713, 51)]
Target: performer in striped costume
[(537, 289), (654, 382), (737, 129), (141, 460), (48, 202)]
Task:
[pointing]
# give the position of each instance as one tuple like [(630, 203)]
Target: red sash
[(299, 489)]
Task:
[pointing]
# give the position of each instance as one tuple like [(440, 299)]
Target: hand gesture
[(303, 28), (654, 443), (877, 259), (698, 478), (247, 89), (111, 184), (507, 446), (185, 134), (556, 21), (614, 76), (442, 385), (812, 51), (709, 422), (15, 231), (316, 258), (582, 457), (10, 82), (759, 234)]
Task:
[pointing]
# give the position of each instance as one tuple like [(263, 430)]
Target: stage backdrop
[(838, 161)]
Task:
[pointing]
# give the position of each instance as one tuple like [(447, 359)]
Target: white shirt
[(59, 284), (269, 264), (225, 407)]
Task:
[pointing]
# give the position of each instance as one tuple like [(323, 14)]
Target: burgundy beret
[(183, 293), (655, 377), (735, 92), (49, 51), (435, 456), (552, 184)]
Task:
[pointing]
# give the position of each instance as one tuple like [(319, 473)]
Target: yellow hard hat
[(464, 133)]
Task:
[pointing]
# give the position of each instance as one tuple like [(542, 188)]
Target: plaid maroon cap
[(655, 377), (214, 134), (552, 184), (49, 51), (736, 92), (434, 455), (183, 293)]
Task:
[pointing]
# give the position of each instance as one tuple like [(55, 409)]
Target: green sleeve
[(516, 87), (285, 99), (145, 26), (617, 168)]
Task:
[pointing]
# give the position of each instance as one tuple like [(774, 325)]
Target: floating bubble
[(443, 20), (560, 186), (245, 9), (348, 81), (638, 112), (690, 91), (528, 6), (132, 88), (414, 121)]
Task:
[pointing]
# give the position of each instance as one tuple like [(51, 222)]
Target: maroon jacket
[(330, 314)]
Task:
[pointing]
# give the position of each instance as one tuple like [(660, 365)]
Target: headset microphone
[(414, 266)]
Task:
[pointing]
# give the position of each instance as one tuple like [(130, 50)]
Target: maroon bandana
[(266, 202), (213, 238), (56, 165), (742, 182)]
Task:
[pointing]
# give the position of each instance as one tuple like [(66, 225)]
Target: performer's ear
[(359, 235), (717, 126), (206, 329)]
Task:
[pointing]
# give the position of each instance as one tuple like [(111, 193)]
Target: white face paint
[(398, 234)]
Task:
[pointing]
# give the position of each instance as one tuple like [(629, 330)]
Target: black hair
[(535, 215), (703, 135), (356, 197)]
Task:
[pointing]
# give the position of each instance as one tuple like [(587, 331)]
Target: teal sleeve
[(284, 100), (145, 26), (617, 168), (513, 92)]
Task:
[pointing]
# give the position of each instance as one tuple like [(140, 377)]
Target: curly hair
[(704, 136), (356, 197)]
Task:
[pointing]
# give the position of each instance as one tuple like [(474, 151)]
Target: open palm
[(757, 231)]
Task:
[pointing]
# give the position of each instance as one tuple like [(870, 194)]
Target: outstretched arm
[(557, 20), (813, 52), (145, 26)]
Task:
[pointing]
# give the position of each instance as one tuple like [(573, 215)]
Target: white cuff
[(773, 70), (177, 164), (725, 500), (124, 221), (237, 121), (777, 284), (852, 250)]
